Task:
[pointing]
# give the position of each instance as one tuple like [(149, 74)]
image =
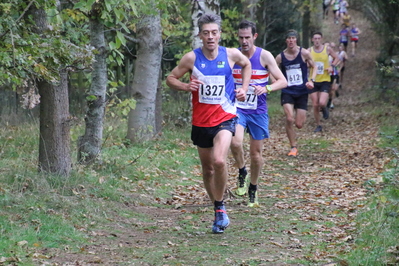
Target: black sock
[(218, 204), (252, 187), (242, 170)]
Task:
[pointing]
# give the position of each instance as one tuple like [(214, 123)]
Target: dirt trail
[(320, 185), (327, 184)]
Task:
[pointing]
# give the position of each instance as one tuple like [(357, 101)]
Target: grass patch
[(316, 144), (377, 242)]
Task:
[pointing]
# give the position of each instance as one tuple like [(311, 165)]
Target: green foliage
[(177, 108), (231, 19), (272, 18), (384, 15), (120, 108), (390, 140), (27, 55), (388, 76), (176, 31)]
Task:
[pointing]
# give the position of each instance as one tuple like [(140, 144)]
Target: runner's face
[(210, 36), (246, 39), (291, 42), (317, 40)]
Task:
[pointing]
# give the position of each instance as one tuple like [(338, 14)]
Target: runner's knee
[(299, 125), (290, 119), (219, 163)]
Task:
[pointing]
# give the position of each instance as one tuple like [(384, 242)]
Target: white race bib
[(294, 77), (213, 89), (251, 99), (320, 68)]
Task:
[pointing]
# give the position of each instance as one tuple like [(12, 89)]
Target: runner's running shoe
[(318, 129), (293, 152), (329, 103), (253, 199), (326, 113), (221, 222), (242, 184)]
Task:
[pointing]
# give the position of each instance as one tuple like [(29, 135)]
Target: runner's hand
[(194, 85), (241, 94), (259, 89)]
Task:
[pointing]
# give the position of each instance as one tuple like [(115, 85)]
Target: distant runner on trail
[(343, 8), (335, 79), (252, 113), (335, 8), (343, 57), (344, 36), (326, 7), (346, 19), (322, 86), (214, 111), (354, 32), (294, 62)]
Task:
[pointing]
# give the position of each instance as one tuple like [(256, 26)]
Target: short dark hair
[(317, 32), (207, 19), (245, 24)]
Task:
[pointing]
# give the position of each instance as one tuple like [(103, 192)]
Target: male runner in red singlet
[(214, 111)]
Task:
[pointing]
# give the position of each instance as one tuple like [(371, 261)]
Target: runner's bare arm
[(278, 59), (334, 55), (185, 66), (307, 56), (236, 57), (270, 63)]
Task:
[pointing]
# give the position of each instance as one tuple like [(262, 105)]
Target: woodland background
[(102, 171), (89, 60)]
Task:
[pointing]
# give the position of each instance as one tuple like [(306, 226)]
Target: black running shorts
[(203, 136)]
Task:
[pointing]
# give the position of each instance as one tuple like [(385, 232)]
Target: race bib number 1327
[(213, 89)]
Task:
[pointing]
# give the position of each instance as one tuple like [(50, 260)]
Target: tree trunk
[(306, 31), (89, 145), (316, 17), (158, 104), (141, 123), (250, 9), (54, 144), (200, 7)]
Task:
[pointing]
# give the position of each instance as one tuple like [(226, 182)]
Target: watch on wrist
[(268, 89), (312, 80)]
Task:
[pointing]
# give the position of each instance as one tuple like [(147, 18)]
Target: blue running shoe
[(221, 220), (318, 129)]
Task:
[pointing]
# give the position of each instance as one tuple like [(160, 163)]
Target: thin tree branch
[(20, 17)]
